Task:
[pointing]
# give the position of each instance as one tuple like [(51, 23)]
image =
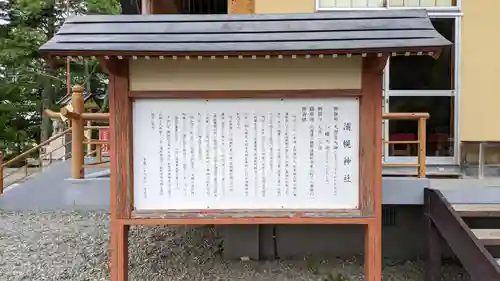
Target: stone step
[(489, 237), (477, 210)]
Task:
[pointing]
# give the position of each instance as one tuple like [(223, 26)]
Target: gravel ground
[(73, 246)]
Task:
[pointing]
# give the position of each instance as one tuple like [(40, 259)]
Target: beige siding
[(480, 88), (284, 6), (245, 74)]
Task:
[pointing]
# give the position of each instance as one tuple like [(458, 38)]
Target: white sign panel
[(246, 154)]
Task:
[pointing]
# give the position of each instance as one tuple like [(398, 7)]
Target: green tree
[(28, 83)]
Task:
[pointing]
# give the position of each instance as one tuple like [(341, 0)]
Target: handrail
[(421, 142), (95, 127), (39, 158), (443, 221), (71, 115), (27, 152), (405, 116), (26, 165)]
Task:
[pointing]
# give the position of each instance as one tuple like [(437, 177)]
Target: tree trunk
[(47, 102), (48, 88)]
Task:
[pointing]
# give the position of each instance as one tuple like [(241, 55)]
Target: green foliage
[(27, 84), (338, 277), (103, 7)]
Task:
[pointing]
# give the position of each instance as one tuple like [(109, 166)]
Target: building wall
[(284, 6), (480, 91), (245, 74), (480, 70)]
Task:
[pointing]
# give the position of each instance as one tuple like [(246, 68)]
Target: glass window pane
[(440, 125), (422, 3), (425, 72), (351, 3)]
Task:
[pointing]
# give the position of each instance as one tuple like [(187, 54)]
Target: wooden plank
[(120, 108), (474, 257), (246, 26), (286, 215), (184, 48), (381, 14), (271, 94), (239, 221), (370, 151), (489, 237), (477, 210), (401, 165), (401, 142), (250, 37), (371, 167), (241, 6), (404, 116)]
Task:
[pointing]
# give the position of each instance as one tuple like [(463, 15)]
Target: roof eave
[(114, 53)]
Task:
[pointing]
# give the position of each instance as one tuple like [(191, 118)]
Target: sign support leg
[(373, 252), (119, 251)]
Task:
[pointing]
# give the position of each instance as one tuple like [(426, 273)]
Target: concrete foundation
[(403, 238)]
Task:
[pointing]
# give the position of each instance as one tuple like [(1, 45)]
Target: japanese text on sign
[(246, 154)]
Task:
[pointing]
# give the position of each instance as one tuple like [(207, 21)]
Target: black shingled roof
[(347, 31), (66, 100)]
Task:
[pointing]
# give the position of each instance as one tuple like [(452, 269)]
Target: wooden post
[(121, 189), (371, 118), (241, 6), (88, 134), (98, 152), (422, 131), (77, 157), (1, 172), (433, 247)]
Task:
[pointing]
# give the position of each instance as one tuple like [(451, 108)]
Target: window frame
[(454, 12), (387, 6), (455, 92)]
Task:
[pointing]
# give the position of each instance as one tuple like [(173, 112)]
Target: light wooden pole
[(77, 134), (77, 116), (1, 172)]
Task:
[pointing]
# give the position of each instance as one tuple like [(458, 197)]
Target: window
[(351, 3), (339, 4), (421, 3), (424, 84), (424, 72), (440, 126)]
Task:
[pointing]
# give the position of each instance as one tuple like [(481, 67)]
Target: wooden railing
[(38, 162), (76, 113), (97, 146), (421, 118), (96, 149)]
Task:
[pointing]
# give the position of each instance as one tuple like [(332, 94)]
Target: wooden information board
[(195, 154)]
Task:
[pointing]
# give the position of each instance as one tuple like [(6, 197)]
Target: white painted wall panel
[(246, 154)]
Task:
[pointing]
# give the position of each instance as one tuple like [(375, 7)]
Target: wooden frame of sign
[(121, 100)]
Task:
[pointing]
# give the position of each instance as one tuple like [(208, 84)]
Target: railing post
[(98, 152), (1, 172), (40, 160), (88, 135), (77, 157), (422, 131)]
